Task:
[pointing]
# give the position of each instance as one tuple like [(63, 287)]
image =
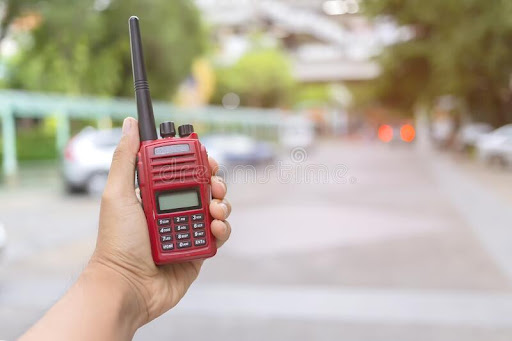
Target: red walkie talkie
[(173, 175)]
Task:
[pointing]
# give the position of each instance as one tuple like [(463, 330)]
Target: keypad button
[(167, 247), (165, 238), (179, 228), (181, 219), (184, 244), (164, 222), (199, 233), (196, 217), (163, 230), (198, 225), (200, 242), (180, 236)]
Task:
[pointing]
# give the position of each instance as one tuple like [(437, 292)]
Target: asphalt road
[(349, 241)]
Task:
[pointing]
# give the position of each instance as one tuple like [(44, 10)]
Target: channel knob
[(185, 130), (167, 129)]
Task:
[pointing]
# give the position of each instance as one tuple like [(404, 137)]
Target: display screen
[(172, 149), (178, 200)]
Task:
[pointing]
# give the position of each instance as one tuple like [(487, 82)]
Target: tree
[(261, 78), (82, 46), (460, 48)]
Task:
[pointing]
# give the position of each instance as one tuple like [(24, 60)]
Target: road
[(392, 244)]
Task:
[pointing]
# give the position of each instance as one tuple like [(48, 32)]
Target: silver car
[(496, 147), (86, 160)]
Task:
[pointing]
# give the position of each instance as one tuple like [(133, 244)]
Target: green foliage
[(312, 94), (27, 139), (460, 48), (261, 78), (81, 50)]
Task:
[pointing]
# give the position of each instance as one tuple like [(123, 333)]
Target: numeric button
[(184, 244), (180, 219), (164, 222), (163, 230), (165, 238), (196, 217), (180, 236), (198, 226), (198, 234), (179, 228)]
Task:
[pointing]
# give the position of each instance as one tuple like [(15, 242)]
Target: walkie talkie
[(173, 175)]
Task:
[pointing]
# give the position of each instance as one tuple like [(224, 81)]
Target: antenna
[(147, 129)]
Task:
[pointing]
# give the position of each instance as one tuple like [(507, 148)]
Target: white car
[(496, 146), (87, 158), (469, 135)]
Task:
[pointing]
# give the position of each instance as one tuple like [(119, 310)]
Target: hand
[(123, 249)]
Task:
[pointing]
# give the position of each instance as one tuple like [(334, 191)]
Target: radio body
[(173, 175), (174, 181)]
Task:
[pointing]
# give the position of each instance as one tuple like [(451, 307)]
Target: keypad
[(175, 232)]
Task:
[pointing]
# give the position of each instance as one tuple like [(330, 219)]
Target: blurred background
[(367, 145)]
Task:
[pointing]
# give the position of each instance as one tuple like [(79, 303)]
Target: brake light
[(385, 133), (68, 151), (407, 133)]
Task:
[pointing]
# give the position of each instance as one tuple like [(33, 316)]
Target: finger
[(214, 166), (221, 230), (121, 178), (220, 209), (219, 187)]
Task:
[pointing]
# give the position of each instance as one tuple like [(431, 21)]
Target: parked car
[(496, 146), (230, 150), (469, 134), (87, 157)]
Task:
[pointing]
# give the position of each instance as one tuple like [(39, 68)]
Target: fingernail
[(127, 125)]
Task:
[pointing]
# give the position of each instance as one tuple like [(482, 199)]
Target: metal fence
[(259, 122)]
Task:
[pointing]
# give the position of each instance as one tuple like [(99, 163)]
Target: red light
[(407, 133), (385, 133)]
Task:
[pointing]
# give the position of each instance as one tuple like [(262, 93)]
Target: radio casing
[(172, 173)]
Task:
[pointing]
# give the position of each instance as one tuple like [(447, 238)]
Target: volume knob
[(185, 130), (167, 129)]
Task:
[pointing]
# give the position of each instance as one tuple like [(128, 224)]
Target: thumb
[(121, 178)]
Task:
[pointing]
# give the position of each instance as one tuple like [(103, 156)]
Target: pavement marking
[(489, 217), (397, 306), (311, 303)]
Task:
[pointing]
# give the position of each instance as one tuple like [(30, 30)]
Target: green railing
[(64, 108)]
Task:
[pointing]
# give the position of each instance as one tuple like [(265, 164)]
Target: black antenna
[(147, 129)]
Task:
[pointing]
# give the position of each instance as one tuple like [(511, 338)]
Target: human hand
[(123, 250)]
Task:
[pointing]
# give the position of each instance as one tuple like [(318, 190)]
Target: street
[(395, 244)]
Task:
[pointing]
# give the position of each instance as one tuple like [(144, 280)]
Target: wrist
[(116, 295)]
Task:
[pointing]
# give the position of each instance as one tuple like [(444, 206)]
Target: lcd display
[(172, 149), (178, 200)]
